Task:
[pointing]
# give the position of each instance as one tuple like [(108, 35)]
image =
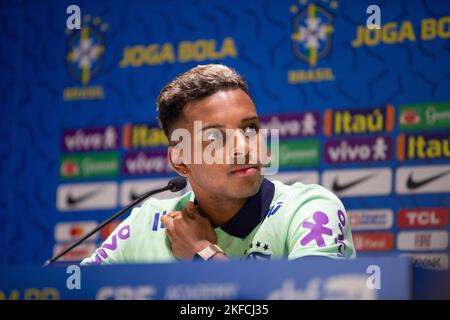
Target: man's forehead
[(224, 107)]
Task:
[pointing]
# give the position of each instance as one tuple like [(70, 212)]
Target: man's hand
[(188, 231)]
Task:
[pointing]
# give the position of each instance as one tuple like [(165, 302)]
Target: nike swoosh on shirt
[(415, 184), (74, 200), (342, 187)]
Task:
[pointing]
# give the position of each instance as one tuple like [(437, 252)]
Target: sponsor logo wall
[(365, 113)]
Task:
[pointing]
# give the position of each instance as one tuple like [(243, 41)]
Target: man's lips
[(245, 170)]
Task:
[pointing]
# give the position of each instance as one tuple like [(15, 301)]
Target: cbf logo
[(84, 58), (311, 39)]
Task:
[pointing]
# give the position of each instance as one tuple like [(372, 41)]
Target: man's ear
[(176, 161)]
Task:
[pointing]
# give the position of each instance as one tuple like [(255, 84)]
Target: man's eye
[(251, 130), (212, 135)]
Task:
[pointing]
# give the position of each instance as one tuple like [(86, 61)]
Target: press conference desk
[(307, 278)]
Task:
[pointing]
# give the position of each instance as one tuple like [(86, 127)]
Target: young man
[(232, 211)]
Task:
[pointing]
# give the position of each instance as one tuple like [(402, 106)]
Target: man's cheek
[(206, 173)]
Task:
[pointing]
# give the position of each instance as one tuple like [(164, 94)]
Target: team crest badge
[(312, 33)]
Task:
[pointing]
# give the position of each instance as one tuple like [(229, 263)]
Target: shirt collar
[(252, 212)]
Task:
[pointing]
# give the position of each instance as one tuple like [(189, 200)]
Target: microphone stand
[(173, 185)]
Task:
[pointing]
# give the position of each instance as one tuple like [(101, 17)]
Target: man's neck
[(218, 210)]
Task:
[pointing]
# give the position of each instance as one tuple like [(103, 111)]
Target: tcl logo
[(373, 241), (422, 218)]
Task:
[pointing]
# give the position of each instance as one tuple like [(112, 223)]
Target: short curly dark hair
[(197, 83)]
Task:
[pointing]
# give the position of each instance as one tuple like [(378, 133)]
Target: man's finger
[(165, 218), (191, 210), (167, 221), (173, 214)]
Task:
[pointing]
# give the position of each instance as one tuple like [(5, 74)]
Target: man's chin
[(246, 186)]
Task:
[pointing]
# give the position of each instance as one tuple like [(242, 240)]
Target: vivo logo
[(146, 163), (110, 245), (358, 150), (88, 139), (340, 241), (293, 124)]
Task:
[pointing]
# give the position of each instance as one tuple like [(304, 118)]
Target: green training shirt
[(279, 221)]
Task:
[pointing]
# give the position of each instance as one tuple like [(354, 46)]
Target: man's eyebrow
[(210, 126), (250, 119), (220, 126)]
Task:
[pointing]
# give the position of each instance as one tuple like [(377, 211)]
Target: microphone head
[(177, 184)]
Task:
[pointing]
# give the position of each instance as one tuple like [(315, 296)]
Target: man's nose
[(240, 147)]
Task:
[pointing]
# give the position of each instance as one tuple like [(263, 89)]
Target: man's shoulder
[(301, 201), (300, 193), (153, 206)]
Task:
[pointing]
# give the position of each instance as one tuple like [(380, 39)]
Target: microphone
[(174, 185)]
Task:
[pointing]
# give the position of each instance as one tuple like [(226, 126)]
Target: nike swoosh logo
[(74, 200), (342, 187), (415, 184)]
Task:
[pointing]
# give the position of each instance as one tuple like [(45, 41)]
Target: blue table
[(308, 278)]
